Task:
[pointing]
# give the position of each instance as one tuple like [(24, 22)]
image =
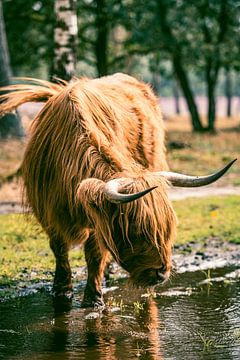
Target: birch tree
[(65, 39), (10, 124)]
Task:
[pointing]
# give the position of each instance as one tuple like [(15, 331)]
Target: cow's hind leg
[(96, 263), (62, 286)]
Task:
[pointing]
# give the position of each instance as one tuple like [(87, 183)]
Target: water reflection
[(110, 336), (181, 324)]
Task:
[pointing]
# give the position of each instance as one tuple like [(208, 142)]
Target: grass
[(25, 251), (204, 153), (112, 302), (207, 343), (206, 218)]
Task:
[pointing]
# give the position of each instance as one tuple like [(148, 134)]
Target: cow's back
[(101, 128), (135, 119)]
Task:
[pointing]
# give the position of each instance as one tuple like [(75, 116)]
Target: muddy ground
[(192, 257)]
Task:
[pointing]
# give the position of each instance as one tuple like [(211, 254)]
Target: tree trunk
[(176, 97), (101, 44), (211, 107), (212, 69), (10, 124), (184, 83), (65, 39), (175, 52), (155, 82), (228, 92)]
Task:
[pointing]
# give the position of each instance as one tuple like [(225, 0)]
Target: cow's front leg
[(62, 286), (96, 263)]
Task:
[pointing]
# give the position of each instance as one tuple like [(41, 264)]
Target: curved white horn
[(113, 187), (193, 181)]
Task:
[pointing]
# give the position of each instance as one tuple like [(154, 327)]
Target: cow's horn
[(112, 191), (193, 181)]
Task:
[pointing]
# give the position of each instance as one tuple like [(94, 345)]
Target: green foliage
[(130, 29), (200, 37), (29, 26), (213, 217), (193, 30)]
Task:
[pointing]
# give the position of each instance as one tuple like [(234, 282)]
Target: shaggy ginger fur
[(88, 132)]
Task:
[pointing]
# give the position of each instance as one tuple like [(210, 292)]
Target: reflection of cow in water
[(96, 146)]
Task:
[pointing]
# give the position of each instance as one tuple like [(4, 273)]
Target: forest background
[(188, 51)]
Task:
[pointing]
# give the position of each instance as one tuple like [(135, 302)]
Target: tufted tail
[(30, 90)]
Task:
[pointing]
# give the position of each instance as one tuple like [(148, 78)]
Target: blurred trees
[(102, 33), (200, 38), (95, 26), (218, 24), (10, 124), (29, 28)]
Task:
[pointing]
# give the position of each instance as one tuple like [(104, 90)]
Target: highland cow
[(95, 173)]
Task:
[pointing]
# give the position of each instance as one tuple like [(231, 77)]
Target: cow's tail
[(27, 90)]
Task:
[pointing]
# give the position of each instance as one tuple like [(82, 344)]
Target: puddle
[(190, 318)]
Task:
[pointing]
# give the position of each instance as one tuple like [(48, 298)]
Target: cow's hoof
[(63, 294), (62, 300), (97, 304)]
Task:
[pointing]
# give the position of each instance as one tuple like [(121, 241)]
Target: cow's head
[(138, 230)]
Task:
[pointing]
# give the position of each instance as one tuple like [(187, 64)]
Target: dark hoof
[(95, 304), (67, 294), (62, 301)]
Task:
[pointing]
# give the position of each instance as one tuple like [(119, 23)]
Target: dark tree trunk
[(155, 82), (101, 44), (228, 92), (211, 107), (212, 69), (65, 39), (176, 97), (174, 50), (184, 83), (213, 58), (10, 124)]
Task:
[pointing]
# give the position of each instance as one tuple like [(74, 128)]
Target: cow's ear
[(90, 192), (95, 193)]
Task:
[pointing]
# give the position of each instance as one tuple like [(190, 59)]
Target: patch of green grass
[(206, 218), (25, 251), (138, 306), (116, 303), (208, 343)]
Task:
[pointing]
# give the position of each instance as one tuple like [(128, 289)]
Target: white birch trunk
[(65, 39)]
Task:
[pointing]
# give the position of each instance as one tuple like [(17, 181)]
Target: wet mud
[(187, 258)]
